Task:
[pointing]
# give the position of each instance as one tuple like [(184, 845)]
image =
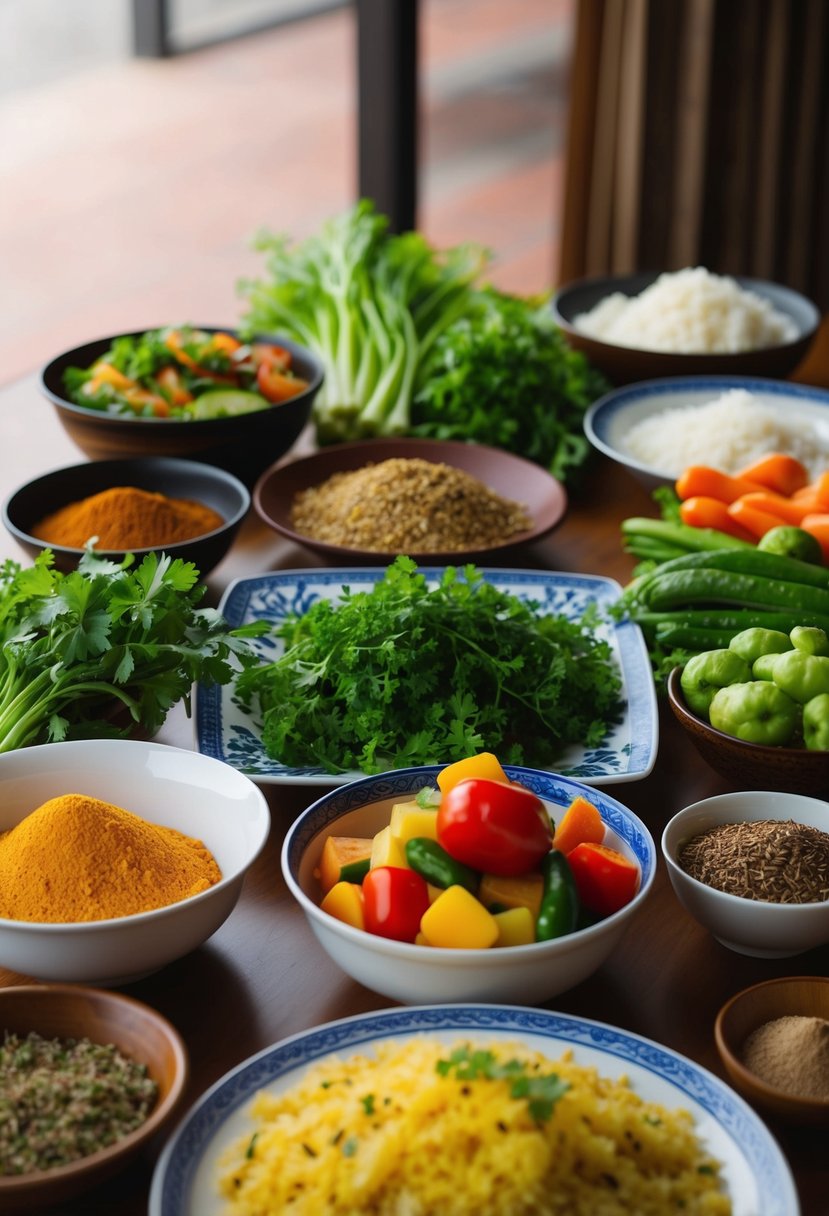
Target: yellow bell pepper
[(456, 919), (345, 902), (516, 927), (485, 765), (387, 850), (410, 821)]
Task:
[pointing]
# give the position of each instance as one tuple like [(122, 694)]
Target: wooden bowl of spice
[(753, 868), (773, 1040), (437, 501), (70, 1133), (181, 507)]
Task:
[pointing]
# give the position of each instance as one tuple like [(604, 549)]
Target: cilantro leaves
[(406, 675), (541, 1091)]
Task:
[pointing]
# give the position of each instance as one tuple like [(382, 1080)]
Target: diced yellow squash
[(521, 891), (387, 850), (345, 902), (456, 919), (409, 821), (337, 852), (516, 927), (485, 764)]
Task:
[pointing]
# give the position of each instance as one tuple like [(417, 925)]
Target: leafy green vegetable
[(370, 304), (406, 674), (504, 375), (73, 646), (541, 1091)]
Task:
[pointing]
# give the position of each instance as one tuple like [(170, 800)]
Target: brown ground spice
[(407, 505)]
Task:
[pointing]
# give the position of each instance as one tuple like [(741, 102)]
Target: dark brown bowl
[(798, 996), (69, 1011), (751, 766), (510, 476), (244, 444), (625, 365), (213, 487)]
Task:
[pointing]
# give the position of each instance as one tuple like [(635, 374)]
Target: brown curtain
[(699, 135)]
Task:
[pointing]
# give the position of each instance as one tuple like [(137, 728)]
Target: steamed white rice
[(689, 311)]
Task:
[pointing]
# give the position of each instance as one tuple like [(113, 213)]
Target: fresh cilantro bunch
[(406, 674), (503, 375), (74, 647)]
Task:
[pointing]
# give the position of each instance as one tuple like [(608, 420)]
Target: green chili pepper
[(430, 861), (559, 911), (681, 587), (355, 871), (750, 561)]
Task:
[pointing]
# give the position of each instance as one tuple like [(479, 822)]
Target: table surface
[(263, 976)]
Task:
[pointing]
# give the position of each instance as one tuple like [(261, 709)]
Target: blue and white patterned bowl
[(413, 974)]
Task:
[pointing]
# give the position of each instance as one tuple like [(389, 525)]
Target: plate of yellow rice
[(491, 1110)]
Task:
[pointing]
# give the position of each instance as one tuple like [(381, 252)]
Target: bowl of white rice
[(686, 322), (659, 427)]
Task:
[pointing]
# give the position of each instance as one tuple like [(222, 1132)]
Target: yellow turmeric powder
[(77, 858), (124, 517)]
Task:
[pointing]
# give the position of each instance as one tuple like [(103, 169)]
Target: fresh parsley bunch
[(74, 647), (503, 374), (406, 674)]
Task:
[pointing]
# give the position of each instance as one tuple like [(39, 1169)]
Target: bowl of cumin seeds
[(752, 867), (437, 501)]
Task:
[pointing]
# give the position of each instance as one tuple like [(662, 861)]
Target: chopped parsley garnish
[(368, 1104), (541, 1092)]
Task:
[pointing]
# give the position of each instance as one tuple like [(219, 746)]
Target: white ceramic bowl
[(748, 926), (608, 420), (171, 786), (416, 974)]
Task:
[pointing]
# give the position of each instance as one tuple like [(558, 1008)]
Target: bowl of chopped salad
[(188, 391), (469, 881)]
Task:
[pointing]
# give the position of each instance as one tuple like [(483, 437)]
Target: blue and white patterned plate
[(756, 1173), (228, 731)]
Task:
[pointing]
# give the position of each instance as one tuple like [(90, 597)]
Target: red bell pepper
[(605, 879), (394, 902), (500, 829)]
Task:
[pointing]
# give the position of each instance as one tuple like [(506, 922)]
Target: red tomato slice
[(394, 901), (500, 829), (606, 880)]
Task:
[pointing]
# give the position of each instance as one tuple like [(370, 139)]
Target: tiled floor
[(131, 190)]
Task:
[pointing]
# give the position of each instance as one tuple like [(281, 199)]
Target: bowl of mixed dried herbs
[(87, 1077)]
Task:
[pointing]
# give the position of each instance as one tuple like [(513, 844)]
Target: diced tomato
[(275, 386), (173, 386), (277, 356), (394, 901), (606, 880), (497, 828)]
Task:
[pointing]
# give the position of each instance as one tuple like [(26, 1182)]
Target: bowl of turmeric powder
[(181, 507), (119, 856)]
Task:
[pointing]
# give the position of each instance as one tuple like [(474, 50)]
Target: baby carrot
[(755, 521), (818, 526), (777, 471), (701, 479), (702, 512), (786, 509)]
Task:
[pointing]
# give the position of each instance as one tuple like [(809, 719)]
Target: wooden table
[(263, 976)]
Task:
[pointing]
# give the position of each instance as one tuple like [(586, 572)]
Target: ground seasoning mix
[(778, 861), (124, 517), (64, 1099), (407, 505), (80, 859), (792, 1054)]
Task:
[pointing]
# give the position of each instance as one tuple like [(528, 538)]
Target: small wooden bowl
[(68, 1011), (803, 996)]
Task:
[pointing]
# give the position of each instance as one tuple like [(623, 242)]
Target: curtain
[(699, 135)]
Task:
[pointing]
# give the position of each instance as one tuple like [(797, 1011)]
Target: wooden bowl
[(751, 766), (803, 996), (625, 364), (69, 1011), (544, 498)]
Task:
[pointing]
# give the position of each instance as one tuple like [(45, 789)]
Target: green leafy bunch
[(75, 647), (408, 674), (504, 375)]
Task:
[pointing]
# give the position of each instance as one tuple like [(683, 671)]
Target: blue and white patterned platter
[(230, 732), (756, 1173)]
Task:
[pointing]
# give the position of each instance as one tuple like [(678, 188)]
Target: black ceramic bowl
[(203, 483), (626, 364), (244, 444)]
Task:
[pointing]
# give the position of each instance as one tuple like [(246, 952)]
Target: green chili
[(559, 910), (427, 858)]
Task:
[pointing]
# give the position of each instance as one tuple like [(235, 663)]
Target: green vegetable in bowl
[(792, 542)]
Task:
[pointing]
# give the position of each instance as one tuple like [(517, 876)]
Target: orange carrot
[(755, 521), (821, 489), (581, 821), (702, 512), (818, 526), (777, 471), (786, 509), (702, 480)]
